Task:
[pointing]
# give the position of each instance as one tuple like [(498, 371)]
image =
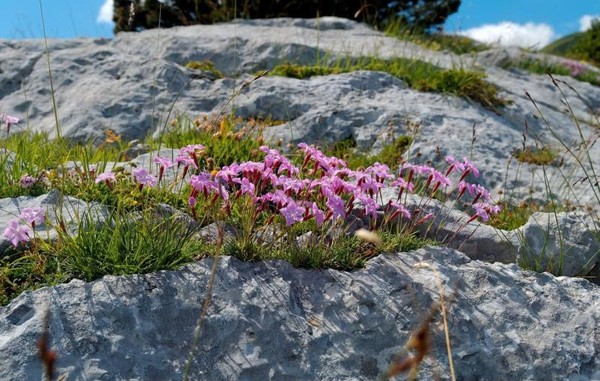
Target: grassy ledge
[(419, 75), (570, 68)]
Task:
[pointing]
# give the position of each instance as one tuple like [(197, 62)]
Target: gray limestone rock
[(563, 243), (269, 321)]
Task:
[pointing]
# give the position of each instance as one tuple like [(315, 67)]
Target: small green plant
[(33, 163), (390, 154), (302, 72), (226, 139), (535, 155), (205, 65), (125, 243), (513, 216), (574, 154)]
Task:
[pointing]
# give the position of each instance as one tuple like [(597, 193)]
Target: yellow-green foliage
[(301, 72), (227, 139), (390, 154), (535, 155), (205, 65)]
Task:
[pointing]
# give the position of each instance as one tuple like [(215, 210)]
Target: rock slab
[(269, 321)]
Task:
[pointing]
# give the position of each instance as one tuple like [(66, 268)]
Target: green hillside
[(562, 46)]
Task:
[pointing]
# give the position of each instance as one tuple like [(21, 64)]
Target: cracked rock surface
[(269, 321)]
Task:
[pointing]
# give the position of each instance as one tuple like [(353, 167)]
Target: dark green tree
[(419, 14), (422, 14)]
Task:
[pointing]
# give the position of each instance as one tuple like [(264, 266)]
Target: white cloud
[(507, 33), (105, 14), (585, 22)]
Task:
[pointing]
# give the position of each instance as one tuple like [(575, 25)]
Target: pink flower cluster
[(323, 188), (575, 67), (20, 230), (27, 181)]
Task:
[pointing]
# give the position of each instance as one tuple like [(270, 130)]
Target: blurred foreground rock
[(269, 321)]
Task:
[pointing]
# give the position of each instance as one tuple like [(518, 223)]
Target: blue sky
[(530, 23)]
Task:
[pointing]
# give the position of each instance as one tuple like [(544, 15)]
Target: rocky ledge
[(269, 321)]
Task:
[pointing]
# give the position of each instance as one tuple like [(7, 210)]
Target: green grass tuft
[(205, 65), (535, 155)]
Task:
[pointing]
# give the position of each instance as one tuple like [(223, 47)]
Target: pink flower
[(476, 190), (326, 164), (469, 168), (192, 151), (398, 209), (454, 164), (17, 233), (402, 184), (483, 210), (575, 67), (335, 204), (292, 185), (27, 181), (9, 120), (186, 161), (369, 204), (163, 163), (368, 184), (424, 219), (418, 169), (334, 183), (33, 216), (277, 199), (203, 183), (309, 151), (228, 173), (277, 162), (380, 171), (143, 177), (440, 179), (107, 177), (317, 213), (292, 213), (246, 187)]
